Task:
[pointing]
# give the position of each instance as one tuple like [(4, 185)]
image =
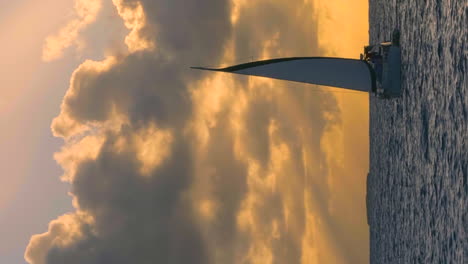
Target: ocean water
[(417, 184)]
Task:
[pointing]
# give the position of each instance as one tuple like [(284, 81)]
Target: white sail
[(345, 73)]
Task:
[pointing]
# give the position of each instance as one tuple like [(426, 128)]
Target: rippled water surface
[(417, 186)]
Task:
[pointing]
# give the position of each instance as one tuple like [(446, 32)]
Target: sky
[(116, 152), (28, 200)]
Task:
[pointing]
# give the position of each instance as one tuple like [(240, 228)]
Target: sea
[(417, 183)]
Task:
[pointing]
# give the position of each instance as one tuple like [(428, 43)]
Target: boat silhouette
[(378, 71)]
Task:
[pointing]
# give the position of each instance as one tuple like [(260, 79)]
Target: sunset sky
[(164, 164)]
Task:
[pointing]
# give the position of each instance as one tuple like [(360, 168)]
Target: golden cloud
[(134, 19), (235, 170), (63, 232), (150, 145), (85, 12)]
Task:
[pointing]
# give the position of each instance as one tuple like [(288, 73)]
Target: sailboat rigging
[(377, 71)]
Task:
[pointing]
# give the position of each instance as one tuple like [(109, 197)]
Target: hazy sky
[(168, 164), (31, 92), (30, 95)]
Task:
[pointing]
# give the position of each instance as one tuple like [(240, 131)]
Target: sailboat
[(378, 71)]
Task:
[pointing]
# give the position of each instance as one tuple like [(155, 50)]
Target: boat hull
[(385, 60)]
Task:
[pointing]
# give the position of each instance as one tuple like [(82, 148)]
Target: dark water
[(417, 187)]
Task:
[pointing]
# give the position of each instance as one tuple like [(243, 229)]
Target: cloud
[(127, 107), (85, 13), (172, 165), (134, 19)]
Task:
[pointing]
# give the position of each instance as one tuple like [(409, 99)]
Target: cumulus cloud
[(170, 165), (85, 13)]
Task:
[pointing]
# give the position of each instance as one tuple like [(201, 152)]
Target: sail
[(338, 72)]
